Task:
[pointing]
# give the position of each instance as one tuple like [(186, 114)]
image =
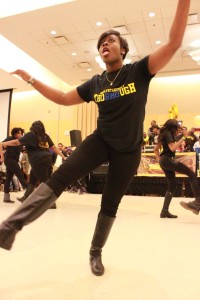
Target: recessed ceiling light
[(99, 23), (152, 14), (158, 42), (53, 32), (89, 70), (74, 53)]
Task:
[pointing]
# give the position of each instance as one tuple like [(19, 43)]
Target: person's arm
[(15, 142), (174, 146), (70, 98), (157, 150), (57, 151), (159, 58), (5, 144)]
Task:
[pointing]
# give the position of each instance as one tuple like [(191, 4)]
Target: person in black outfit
[(38, 144), (169, 165), (121, 94), (151, 134), (11, 162)]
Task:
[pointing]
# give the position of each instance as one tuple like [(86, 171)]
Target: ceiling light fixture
[(195, 54), (152, 14), (53, 32), (99, 23), (158, 42), (194, 50)]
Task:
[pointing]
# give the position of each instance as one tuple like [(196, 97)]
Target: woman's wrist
[(31, 80)]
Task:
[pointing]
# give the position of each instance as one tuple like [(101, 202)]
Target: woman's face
[(110, 49)]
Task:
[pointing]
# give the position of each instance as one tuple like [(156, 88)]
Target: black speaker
[(75, 137)]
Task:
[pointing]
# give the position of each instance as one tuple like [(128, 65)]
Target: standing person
[(156, 131), (169, 165), (24, 162), (151, 134), (121, 95), (59, 160), (37, 143), (11, 162), (190, 141)]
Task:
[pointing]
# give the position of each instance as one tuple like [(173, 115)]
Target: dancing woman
[(121, 94), (169, 164), (37, 143)]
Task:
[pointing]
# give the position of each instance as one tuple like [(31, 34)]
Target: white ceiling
[(76, 21)]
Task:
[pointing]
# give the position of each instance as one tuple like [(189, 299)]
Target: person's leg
[(14, 166), (42, 171), (39, 173), (181, 168), (9, 176), (168, 165), (31, 186), (122, 168), (91, 153), (171, 181), (193, 206)]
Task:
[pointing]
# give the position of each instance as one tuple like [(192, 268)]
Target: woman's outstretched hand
[(22, 74)]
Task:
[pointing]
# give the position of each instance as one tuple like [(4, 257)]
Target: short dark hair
[(156, 126), (123, 41), (16, 130)]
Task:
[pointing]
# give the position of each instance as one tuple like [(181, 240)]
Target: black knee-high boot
[(34, 206), (29, 190), (102, 230), (165, 210)]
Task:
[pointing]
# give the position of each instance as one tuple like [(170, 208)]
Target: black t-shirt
[(12, 152), (34, 151), (167, 139), (121, 106)]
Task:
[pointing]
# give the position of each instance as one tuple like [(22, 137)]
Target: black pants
[(40, 170), (13, 168), (169, 166), (90, 154)]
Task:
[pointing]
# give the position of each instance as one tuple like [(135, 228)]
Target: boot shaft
[(34, 206), (29, 190), (167, 200), (102, 230)]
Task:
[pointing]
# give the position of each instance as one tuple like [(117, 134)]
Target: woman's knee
[(110, 208), (172, 188)]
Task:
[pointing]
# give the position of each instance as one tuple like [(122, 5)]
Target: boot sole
[(185, 205)]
